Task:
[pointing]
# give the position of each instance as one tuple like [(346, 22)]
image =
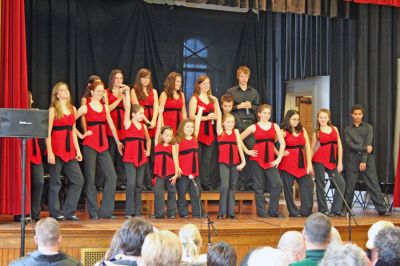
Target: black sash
[(119, 118), (230, 143), (206, 124), (332, 155), (164, 160), (301, 156), (140, 147), (147, 108), (99, 123), (67, 138), (178, 114), (266, 156), (34, 146), (193, 152)]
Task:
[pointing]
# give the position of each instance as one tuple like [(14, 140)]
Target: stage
[(245, 233)]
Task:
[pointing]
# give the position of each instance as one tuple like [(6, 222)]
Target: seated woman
[(190, 237)]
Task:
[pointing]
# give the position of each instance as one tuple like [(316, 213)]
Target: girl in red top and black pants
[(63, 153), (136, 153), (262, 160), (165, 170), (231, 159), (188, 150), (296, 165), (328, 158), (95, 147), (209, 174)]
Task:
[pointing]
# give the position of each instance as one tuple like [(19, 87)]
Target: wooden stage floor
[(244, 234)]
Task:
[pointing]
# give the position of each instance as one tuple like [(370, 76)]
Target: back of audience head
[(317, 230), (336, 239), (221, 254), (388, 244), (161, 248), (47, 233), (348, 254), (190, 237), (268, 256), (292, 244), (374, 230)]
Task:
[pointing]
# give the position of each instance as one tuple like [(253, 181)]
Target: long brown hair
[(138, 87), (111, 77), (201, 79), (169, 84), (261, 108), (55, 103), (180, 132), (326, 111)]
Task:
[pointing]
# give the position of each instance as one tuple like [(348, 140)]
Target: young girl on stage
[(172, 100), (63, 153), (207, 147), (296, 165), (231, 159), (328, 158), (95, 147), (263, 162), (166, 169), (135, 155), (188, 181)]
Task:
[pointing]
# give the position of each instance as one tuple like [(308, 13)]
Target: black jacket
[(38, 259)]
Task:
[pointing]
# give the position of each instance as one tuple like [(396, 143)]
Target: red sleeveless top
[(148, 104), (117, 116), (96, 122), (228, 149), (134, 146), (206, 131), (61, 137), (164, 165), (35, 155), (327, 152), (265, 140), (189, 157), (295, 162), (173, 112)]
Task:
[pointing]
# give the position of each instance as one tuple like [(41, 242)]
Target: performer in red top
[(188, 181), (144, 94), (209, 175), (296, 165), (172, 100), (231, 159), (263, 162), (95, 148), (136, 153), (328, 158), (63, 153), (165, 170)]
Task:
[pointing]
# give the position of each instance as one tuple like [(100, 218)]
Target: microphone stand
[(203, 210), (349, 212)]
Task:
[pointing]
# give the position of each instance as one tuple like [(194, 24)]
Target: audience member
[(245, 259), (161, 248), (317, 234), (387, 242), (292, 244), (191, 241), (48, 240), (268, 256), (349, 255), (372, 233), (336, 239), (221, 254)]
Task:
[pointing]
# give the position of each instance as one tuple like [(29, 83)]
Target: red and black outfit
[(37, 177), (325, 160), (228, 160), (189, 165), (64, 151), (117, 116), (172, 115), (135, 161), (294, 167), (262, 170), (164, 169), (95, 148), (209, 175)]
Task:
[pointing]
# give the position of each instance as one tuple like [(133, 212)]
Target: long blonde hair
[(190, 238), (326, 111), (55, 102)]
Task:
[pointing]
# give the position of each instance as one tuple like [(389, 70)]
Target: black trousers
[(245, 176), (184, 184), (370, 179), (75, 181), (134, 187), (319, 170), (306, 190), (110, 178), (272, 177), (148, 172), (159, 186), (229, 175), (208, 165), (117, 160), (37, 183)]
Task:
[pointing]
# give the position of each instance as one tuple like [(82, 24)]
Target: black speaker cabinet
[(24, 123)]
